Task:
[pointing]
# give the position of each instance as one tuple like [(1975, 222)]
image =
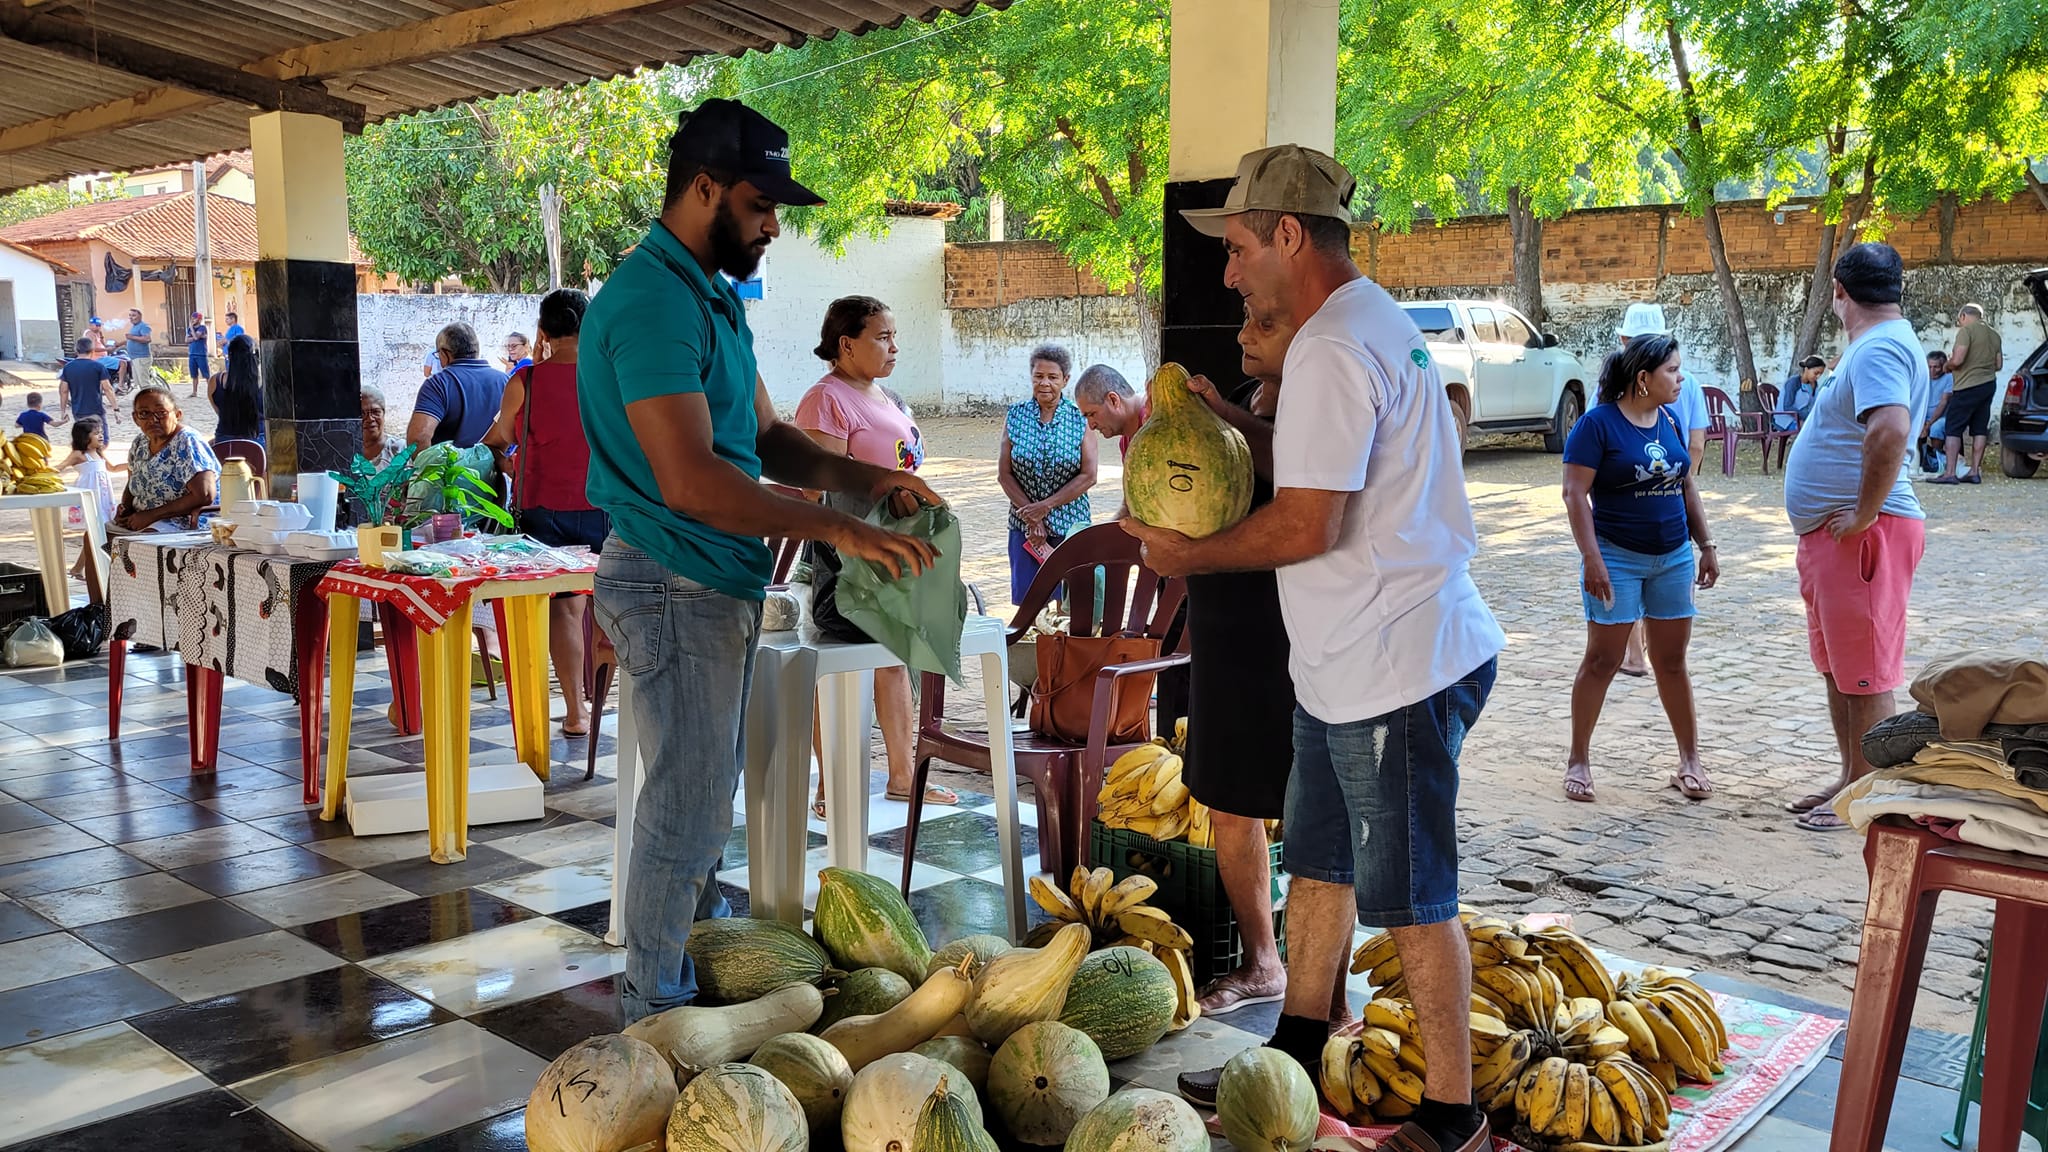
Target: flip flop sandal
[(1638, 673), (1701, 791), (1233, 986), (1822, 820), (818, 809), (1810, 801), (935, 794), (1579, 790)]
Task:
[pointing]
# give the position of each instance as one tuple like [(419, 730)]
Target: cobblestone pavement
[(1728, 884)]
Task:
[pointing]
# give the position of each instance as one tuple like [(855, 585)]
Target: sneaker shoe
[(1199, 1088)]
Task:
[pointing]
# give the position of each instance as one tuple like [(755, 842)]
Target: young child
[(35, 421), (95, 475)]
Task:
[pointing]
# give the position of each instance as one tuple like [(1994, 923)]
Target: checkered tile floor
[(202, 963)]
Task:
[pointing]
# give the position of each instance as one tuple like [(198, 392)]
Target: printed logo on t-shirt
[(1420, 357), (1659, 467), (910, 453)]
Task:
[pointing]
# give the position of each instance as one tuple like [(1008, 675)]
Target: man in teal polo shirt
[(681, 432)]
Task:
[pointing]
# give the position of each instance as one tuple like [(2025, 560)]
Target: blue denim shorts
[(1374, 804), (1659, 587)]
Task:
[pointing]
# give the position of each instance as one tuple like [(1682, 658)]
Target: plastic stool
[(1910, 868), (2035, 1123)]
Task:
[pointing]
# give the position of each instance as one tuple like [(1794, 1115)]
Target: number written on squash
[(1181, 481), (1118, 965), (580, 1080)]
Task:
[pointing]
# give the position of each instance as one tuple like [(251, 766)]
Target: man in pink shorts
[(1861, 529)]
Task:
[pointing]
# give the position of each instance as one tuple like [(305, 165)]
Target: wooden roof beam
[(205, 77)]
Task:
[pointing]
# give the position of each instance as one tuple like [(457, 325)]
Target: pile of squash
[(866, 1032)]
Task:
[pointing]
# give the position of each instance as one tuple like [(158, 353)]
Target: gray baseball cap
[(1286, 178)]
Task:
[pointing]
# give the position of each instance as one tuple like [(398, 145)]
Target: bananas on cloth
[(1565, 1056), (1115, 912), (27, 466)]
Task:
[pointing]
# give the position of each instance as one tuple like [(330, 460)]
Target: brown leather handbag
[(1063, 696)]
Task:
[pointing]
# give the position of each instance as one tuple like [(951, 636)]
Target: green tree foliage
[(45, 199), (1058, 105), (457, 192)]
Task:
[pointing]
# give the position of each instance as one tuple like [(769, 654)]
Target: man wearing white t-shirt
[(1393, 648)]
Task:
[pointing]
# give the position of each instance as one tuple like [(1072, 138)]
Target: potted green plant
[(441, 482), (380, 494)]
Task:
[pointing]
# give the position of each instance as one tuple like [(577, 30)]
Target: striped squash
[(983, 948), (739, 958), (1043, 1079), (1123, 998), (737, 1108), (888, 1098), (868, 992), (962, 1052), (864, 923), (1266, 1102), (813, 1071), (946, 1125), (1140, 1120)]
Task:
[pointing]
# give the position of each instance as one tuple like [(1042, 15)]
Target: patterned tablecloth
[(427, 601), (228, 609)]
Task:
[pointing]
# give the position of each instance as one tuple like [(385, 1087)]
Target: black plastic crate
[(1190, 891), (21, 593)]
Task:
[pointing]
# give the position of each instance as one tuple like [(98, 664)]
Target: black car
[(2023, 426)]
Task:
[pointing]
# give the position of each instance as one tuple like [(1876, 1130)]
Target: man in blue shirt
[(233, 330), (681, 432), (195, 351), (1940, 383), (139, 338), (84, 386), (457, 404)]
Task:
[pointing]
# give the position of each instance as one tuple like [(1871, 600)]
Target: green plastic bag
[(917, 618)]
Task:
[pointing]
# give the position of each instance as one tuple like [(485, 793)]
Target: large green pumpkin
[(814, 1072), (868, 992), (1140, 1120), (864, 923), (1266, 1102), (1186, 469), (1123, 998), (737, 1108), (1043, 1079), (739, 958)]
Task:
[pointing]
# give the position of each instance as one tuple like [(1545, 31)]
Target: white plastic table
[(45, 512), (791, 671)]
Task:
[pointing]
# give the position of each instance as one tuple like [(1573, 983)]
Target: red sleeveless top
[(553, 463)]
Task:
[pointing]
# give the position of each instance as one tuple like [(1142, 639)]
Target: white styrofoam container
[(498, 794)]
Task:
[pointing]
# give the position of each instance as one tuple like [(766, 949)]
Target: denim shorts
[(1374, 804), (1659, 587)]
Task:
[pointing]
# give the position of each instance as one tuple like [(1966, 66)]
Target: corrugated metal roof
[(41, 84), (156, 227)]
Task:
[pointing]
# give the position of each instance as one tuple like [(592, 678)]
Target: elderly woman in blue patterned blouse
[(1046, 469), (171, 471)]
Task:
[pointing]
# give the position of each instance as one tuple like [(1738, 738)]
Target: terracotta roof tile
[(25, 250), (155, 228)]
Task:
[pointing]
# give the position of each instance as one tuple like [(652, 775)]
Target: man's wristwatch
[(1710, 546)]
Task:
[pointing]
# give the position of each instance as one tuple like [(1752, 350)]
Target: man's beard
[(732, 255)]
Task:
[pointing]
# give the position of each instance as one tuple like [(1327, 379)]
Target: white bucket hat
[(1642, 320)]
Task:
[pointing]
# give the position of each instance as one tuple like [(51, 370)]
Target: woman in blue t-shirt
[(1630, 496)]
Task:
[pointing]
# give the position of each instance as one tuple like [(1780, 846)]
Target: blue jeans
[(1659, 587), (690, 651), (1374, 804)]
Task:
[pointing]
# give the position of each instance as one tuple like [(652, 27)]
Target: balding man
[(1111, 405), (1978, 355)]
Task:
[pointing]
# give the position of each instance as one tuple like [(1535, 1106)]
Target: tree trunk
[(1820, 289), (1724, 276), (2034, 182), (1149, 320), (1526, 231)]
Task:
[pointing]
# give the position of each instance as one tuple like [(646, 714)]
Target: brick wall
[(993, 275), (1612, 245)]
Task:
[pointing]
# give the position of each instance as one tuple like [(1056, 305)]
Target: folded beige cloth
[(1969, 690)]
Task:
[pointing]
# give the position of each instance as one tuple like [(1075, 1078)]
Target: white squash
[(882, 1109), (695, 1038), (605, 1094), (737, 1108)]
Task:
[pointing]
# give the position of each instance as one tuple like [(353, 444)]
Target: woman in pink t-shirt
[(850, 411)]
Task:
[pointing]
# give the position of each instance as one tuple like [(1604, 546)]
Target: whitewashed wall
[(34, 335), (396, 333), (987, 352)]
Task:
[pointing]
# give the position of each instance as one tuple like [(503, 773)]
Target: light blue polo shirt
[(660, 327)]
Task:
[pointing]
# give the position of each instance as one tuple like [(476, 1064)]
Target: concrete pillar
[(305, 297), (1245, 75)]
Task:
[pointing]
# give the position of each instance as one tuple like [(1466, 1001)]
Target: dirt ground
[(1763, 721)]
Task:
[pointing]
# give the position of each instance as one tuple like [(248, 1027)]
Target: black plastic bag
[(82, 631)]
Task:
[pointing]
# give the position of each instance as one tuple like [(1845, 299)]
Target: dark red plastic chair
[(1767, 396), (1910, 867), (1064, 777)]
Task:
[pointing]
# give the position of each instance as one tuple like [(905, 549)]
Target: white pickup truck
[(1503, 374)]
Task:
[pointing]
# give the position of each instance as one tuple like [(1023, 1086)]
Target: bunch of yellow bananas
[(1564, 1055), (28, 468), (1115, 913), (1672, 1026), (1143, 791)]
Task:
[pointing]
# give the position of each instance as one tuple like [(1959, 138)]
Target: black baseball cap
[(727, 134)]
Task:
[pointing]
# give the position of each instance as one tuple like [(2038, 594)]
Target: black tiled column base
[(312, 367), (1200, 315)]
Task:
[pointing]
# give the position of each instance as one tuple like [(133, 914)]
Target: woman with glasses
[(172, 473)]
